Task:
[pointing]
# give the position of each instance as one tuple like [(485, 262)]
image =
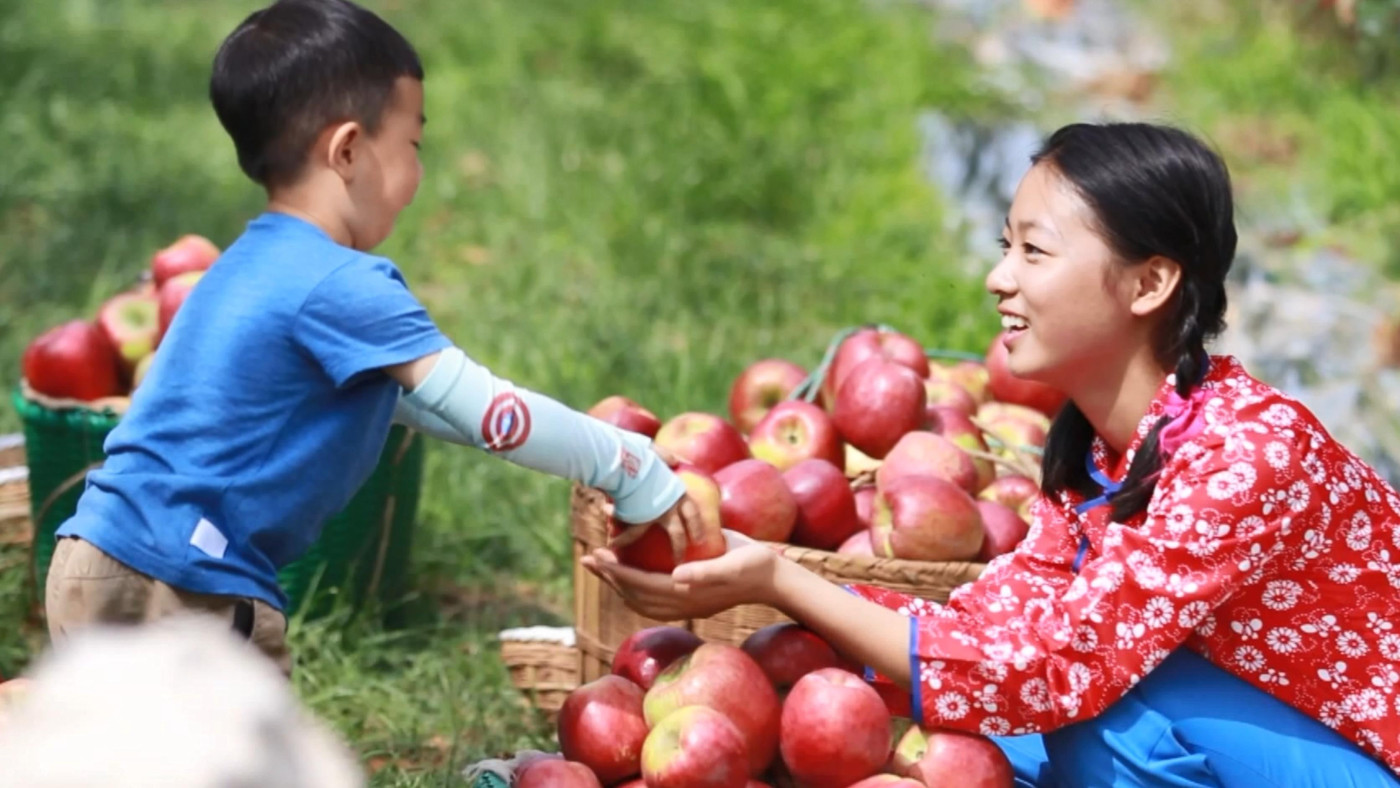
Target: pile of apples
[(107, 357), (894, 457), (782, 709)]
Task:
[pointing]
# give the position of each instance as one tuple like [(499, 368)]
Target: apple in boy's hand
[(703, 440), (756, 501), (949, 757), (188, 253), (695, 747), (173, 295), (794, 431), (652, 552), (130, 322), (759, 387), (626, 414), (835, 730), (73, 360), (878, 403), (647, 652), (602, 727)]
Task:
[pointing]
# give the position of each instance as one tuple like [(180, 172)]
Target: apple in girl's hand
[(556, 773), (623, 413), (1005, 529), (858, 544), (652, 552), (727, 680), (601, 726), (835, 729), (695, 747), (73, 360), (948, 757), (878, 403), (703, 440), (188, 253), (1014, 491), (922, 453), (1006, 387), (130, 321), (756, 501), (868, 343), (786, 652), (925, 518), (762, 385), (826, 507), (647, 652), (172, 297), (794, 431)]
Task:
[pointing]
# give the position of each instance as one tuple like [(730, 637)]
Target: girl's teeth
[(1009, 322)]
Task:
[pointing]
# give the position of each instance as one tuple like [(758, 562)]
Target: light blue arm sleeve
[(462, 402)]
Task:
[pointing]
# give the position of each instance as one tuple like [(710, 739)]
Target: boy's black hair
[(296, 66)]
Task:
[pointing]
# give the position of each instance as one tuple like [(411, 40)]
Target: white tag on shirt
[(209, 539)]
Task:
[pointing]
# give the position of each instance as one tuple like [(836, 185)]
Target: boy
[(272, 394)]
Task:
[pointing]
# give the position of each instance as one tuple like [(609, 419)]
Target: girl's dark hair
[(1154, 191)]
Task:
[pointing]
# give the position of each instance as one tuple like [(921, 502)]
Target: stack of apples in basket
[(881, 452), (102, 360), (782, 709)]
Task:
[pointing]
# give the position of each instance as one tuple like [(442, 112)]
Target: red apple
[(762, 385), (756, 501), (74, 360), (726, 679), (695, 746), (878, 403), (130, 322), (958, 427), (703, 440), (647, 652), (865, 504), (622, 412), (172, 297), (887, 781), (947, 394), (973, 377), (868, 343), (786, 652), (1005, 529), (794, 431), (1006, 387), (925, 518), (835, 729), (601, 726), (826, 507), (948, 757), (1015, 492), (652, 552), (922, 453), (555, 773), (188, 253), (1015, 425), (858, 544)]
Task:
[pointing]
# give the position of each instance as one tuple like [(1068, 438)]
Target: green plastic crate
[(363, 551)]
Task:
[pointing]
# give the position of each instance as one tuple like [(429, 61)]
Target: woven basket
[(543, 666), (15, 527), (602, 621), (363, 550)]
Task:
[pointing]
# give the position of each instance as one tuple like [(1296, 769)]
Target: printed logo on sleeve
[(506, 425), (631, 463)]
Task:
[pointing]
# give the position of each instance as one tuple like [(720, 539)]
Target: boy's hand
[(681, 522)]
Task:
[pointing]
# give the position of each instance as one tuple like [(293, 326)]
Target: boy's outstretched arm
[(450, 396)]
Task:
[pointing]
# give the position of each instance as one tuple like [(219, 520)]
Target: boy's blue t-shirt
[(261, 415)]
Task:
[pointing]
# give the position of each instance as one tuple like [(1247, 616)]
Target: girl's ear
[(1155, 281), (343, 148)]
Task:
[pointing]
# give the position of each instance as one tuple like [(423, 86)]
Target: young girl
[(1208, 593)]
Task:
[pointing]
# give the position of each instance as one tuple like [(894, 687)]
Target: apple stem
[(1025, 469)]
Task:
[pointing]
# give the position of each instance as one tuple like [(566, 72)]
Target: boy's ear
[(1155, 283), (343, 148)]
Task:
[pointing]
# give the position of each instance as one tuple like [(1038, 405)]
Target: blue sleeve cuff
[(916, 684)]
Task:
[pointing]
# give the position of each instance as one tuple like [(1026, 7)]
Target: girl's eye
[(1032, 249), (1004, 244)]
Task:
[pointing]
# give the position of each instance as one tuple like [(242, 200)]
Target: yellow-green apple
[(130, 321), (858, 544), (647, 652), (923, 453), (1006, 387), (703, 440), (948, 757), (142, 367), (652, 552), (858, 462), (759, 387), (865, 503), (868, 343), (878, 403), (794, 431), (887, 781), (188, 253), (695, 746), (787, 651), (555, 773), (835, 729), (172, 296), (973, 377), (755, 501), (601, 726), (958, 428), (925, 518), (826, 507), (1014, 491), (626, 414), (727, 680), (1016, 425), (73, 360), (1005, 529)]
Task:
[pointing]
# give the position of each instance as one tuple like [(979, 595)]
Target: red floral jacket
[(1268, 547)]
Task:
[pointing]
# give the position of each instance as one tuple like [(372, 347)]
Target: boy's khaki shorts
[(86, 586)]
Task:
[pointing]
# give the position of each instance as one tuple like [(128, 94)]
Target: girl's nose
[(999, 279)]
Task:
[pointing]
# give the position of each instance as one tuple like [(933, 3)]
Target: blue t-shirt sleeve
[(362, 317)]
